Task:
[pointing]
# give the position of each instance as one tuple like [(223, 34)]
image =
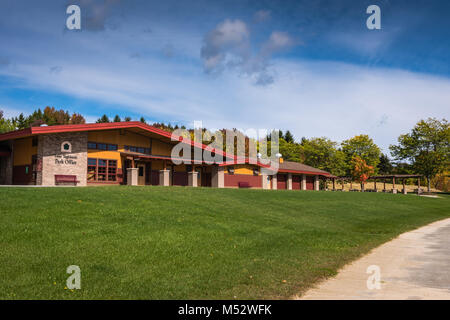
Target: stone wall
[(54, 160)]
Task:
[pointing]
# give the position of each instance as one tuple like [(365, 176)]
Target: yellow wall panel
[(23, 151), (160, 148), (244, 169)]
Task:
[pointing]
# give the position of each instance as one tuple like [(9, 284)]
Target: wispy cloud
[(229, 46)]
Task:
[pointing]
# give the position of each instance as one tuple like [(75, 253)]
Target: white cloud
[(229, 37)]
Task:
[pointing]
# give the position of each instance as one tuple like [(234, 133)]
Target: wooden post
[(404, 186), (334, 185), (351, 185), (343, 182), (164, 165), (375, 185), (384, 184), (394, 190), (418, 186)]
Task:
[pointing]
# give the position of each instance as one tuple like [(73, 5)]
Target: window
[(255, 172), (230, 170), (141, 171), (102, 146), (34, 142), (102, 170), (112, 147), (138, 149)]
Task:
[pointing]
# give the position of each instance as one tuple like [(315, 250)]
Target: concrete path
[(415, 265)]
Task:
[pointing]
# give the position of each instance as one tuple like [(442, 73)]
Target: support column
[(334, 184), (193, 179), (394, 190), (419, 191), (343, 184), (404, 187), (303, 182), (217, 177), (265, 182), (164, 177), (316, 183), (132, 176), (289, 181), (384, 185), (375, 185), (274, 182)]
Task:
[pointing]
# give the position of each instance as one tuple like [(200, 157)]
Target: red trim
[(306, 172), (5, 154)]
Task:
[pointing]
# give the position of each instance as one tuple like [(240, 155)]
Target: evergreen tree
[(117, 118), (288, 137), (103, 119), (385, 166)]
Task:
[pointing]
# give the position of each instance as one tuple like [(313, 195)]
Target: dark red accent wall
[(281, 181), (296, 182), (20, 176), (309, 182), (155, 178), (180, 179), (232, 180), (206, 179)]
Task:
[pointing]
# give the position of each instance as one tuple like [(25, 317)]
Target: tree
[(77, 118), (127, 119), (290, 151), (322, 153), (288, 137), (360, 170), (385, 166), (103, 119), (6, 125), (143, 121), (117, 118), (364, 147), (426, 147)]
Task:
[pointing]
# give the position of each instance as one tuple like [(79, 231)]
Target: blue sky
[(309, 66)]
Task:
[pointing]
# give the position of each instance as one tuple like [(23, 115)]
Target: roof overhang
[(133, 125)]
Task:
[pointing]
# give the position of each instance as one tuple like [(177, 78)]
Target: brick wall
[(52, 160)]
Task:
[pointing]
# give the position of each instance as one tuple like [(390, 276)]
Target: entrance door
[(141, 174)]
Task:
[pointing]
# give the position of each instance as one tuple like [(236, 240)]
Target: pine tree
[(103, 119)]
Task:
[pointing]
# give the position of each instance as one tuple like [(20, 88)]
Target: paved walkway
[(415, 265)]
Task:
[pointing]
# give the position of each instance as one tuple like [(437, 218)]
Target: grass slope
[(195, 243)]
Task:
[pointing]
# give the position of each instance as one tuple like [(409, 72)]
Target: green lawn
[(191, 243)]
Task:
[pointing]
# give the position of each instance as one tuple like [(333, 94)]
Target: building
[(130, 153)]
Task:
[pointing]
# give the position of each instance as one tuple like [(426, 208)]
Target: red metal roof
[(105, 126)]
